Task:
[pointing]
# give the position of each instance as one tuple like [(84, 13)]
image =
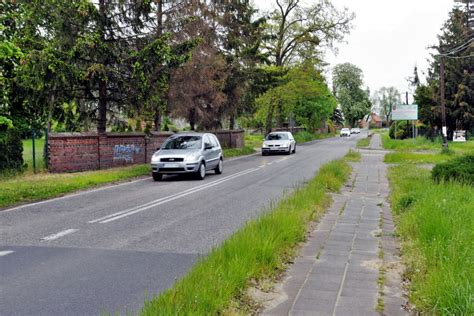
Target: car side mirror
[(206, 147)]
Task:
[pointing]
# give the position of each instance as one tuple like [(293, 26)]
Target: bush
[(403, 130), (460, 169), (11, 147)]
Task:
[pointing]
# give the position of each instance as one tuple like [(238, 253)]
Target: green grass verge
[(417, 158), (29, 188), (28, 154), (364, 142), (304, 136), (234, 152), (353, 156), (435, 223), (422, 143), (257, 251), (254, 140)]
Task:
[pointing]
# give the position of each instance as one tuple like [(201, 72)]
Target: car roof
[(189, 134)]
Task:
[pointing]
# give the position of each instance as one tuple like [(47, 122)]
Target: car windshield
[(183, 142), (345, 129), (279, 136)]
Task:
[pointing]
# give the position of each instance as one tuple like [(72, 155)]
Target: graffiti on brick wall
[(126, 152)]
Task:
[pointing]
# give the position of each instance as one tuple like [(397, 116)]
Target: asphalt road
[(112, 248)]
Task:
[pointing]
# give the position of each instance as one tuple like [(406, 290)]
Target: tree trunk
[(157, 119), (102, 118), (232, 121), (280, 113), (192, 118), (268, 123)]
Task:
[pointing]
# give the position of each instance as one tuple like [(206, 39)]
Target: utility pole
[(442, 100)]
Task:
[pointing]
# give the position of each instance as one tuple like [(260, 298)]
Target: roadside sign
[(404, 112), (459, 136)]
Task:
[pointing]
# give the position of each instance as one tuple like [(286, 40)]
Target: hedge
[(11, 146), (460, 169)]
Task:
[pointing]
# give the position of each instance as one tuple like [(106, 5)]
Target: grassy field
[(257, 251), (29, 187), (254, 140), (421, 143), (28, 154), (417, 157), (436, 225), (303, 137), (234, 152)]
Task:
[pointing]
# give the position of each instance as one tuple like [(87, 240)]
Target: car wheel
[(289, 150), (201, 173), (157, 176), (220, 167), (294, 149), (264, 153)]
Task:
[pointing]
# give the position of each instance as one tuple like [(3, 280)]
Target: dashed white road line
[(59, 235), (6, 252)]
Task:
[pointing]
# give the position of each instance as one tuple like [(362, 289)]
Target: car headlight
[(191, 158), (265, 144), (155, 158)]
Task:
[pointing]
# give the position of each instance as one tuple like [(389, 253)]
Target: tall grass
[(423, 143), (28, 154), (305, 136), (417, 158), (234, 152), (257, 251), (436, 224)]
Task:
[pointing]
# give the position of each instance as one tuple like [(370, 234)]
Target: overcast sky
[(389, 38)]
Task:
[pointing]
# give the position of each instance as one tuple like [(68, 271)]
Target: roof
[(375, 117)]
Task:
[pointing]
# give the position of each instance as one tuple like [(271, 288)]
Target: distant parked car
[(279, 142), (345, 132), (355, 130), (191, 153)]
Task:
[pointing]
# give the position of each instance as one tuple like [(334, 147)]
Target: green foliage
[(354, 100), (402, 128), (304, 97), (435, 221), (11, 147), (258, 250), (460, 169), (459, 75)]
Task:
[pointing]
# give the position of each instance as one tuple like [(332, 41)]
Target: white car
[(279, 142), (345, 132), (355, 130)]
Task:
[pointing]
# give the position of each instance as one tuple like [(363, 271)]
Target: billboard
[(404, 112)]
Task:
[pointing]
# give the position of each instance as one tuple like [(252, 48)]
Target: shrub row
[(460, 169), (11, 147)]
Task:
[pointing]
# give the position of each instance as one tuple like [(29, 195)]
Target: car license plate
[(171, 165)]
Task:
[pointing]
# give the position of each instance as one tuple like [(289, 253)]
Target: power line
[(458, 57), (459, 48)]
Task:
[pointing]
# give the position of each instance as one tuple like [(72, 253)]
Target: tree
[(459, 78), (347, 87), (385, 98), (305, 97), (294, 29)]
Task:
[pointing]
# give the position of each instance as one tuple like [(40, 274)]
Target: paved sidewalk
[(339, 269)]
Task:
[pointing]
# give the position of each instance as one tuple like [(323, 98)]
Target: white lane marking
[(177, 196), (5, 252), (161, 199), (110, 186), (59, 235)]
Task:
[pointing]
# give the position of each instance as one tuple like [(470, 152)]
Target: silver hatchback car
[(191, 153)]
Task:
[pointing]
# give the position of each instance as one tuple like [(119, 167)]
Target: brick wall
[(70, 152), (231, 138)]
